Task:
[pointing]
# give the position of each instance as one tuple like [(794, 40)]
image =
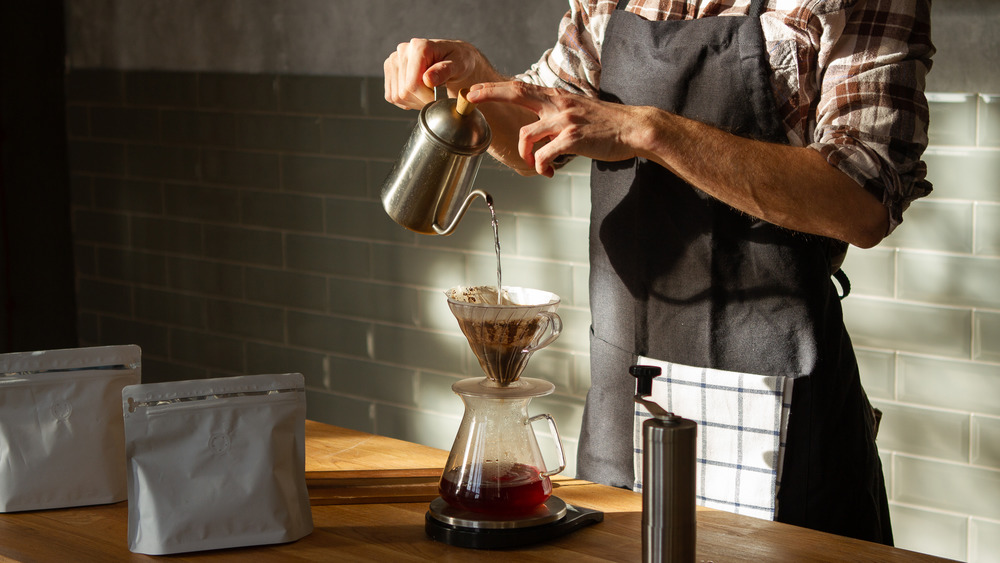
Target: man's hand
[(416, 67), (567, 124)]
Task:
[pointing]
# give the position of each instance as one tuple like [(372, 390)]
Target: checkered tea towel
[(742, 421)]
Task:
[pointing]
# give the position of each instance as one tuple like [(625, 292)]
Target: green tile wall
[(231, 224)]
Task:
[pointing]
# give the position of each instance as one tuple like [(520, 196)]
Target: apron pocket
[(742, 423)]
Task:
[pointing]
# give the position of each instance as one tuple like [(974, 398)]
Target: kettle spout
[(450, 228)]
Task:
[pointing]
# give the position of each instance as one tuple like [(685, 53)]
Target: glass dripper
[(504, 334), (495, 466)]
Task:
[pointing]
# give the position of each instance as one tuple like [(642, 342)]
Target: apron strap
[(845, 284), (622, 4)]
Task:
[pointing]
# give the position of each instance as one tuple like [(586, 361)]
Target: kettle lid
[(465, 134)]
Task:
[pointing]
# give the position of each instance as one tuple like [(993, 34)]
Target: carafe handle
[(555, 324), (555, 434)]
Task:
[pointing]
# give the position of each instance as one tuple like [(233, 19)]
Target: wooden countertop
[(394, 531)]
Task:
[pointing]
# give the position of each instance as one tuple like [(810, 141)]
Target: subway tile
[(909, 327), (323, 175), (278, 132), (77, 121), (924, 432), (986, 335), (965, 386), (128, 195), (364, 219), (984, 541), (131, 266), (95, 85), (554, 366), (243, 320), (419, 348), (164, 162), (952, 119), (268, 358), (346, 412), (378, 173), (946, 486), (987, 235), (969, 174), (282, 211), (289, 289), (986, 441), (538, 274), (581, 285), (101, 227), (364, 137), (239, 168), (580, 184), (432, 392), (104, 297), (158, 88), (539, 195), (158, 371), (169, 307), (243, 244), (238, 92), (949, 280), (925, 531), (431, 429), (87, 328), (327, 255), (81, 191), (202, 202), (84, 259), (433, 312), (152, 233), (206, 350), (205, 277), (96, 157), (989, 120), (126, 124), (935, 225), (878, 373), (871, 271), (581, 376), (576, 330), (375, 301), (151, 338), (373, 381), (376, 105), (205, 128), (419, 266), (553, 239), (321, 94), (328, 333)]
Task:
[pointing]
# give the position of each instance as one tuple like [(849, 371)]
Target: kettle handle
[(458, 216)]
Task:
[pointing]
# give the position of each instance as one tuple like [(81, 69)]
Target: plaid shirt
[(848, 77)]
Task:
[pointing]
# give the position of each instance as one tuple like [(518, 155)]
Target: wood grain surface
[(394, 530)]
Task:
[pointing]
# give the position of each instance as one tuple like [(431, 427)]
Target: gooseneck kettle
[(430, 187)]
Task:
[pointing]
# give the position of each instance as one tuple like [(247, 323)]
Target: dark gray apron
[(681, 277)]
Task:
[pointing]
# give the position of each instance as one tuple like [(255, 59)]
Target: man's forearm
[(793, 187)]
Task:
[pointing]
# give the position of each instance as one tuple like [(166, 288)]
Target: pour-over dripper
[(504, 335)]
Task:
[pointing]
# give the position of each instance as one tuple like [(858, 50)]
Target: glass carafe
[(495, 466)]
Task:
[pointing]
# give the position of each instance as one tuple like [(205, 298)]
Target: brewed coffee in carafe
[(496, 466)]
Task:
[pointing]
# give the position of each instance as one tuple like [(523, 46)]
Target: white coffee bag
[(216, 463), (62, 442)]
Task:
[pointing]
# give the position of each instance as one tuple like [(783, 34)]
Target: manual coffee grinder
[(496, 490)]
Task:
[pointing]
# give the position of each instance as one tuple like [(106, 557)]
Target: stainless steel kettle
[(430, 187)]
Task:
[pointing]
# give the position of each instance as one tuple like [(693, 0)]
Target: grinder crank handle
[(644, 376)]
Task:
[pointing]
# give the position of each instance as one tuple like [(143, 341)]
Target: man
[(739, 146)]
